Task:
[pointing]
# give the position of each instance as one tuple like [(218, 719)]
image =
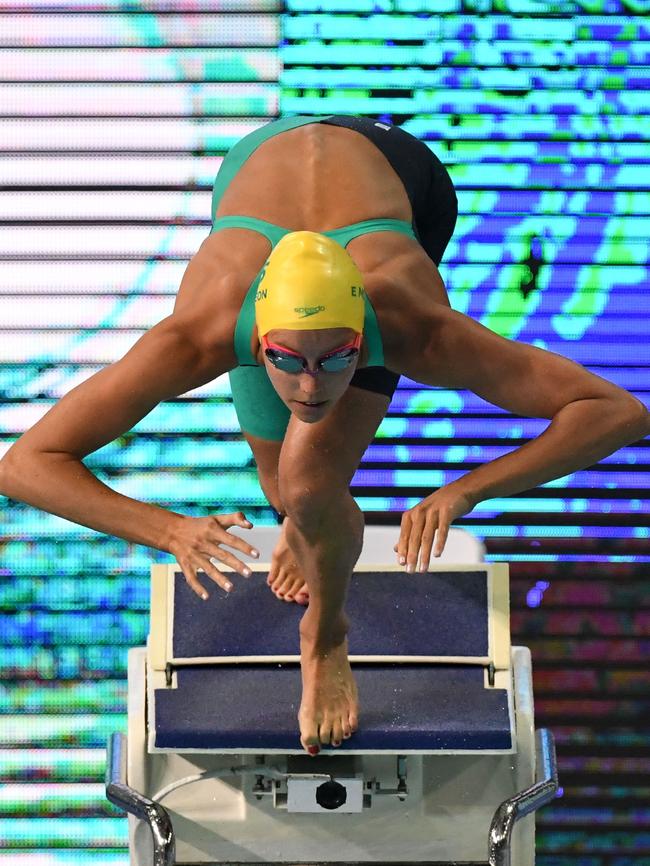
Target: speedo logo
[(308, 311)]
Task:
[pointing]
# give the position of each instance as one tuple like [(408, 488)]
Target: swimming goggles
[(291, 362)]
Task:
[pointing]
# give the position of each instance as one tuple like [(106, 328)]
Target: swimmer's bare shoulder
[(184, 351)]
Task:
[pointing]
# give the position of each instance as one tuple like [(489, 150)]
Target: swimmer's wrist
[(467, 487), (173, 531)]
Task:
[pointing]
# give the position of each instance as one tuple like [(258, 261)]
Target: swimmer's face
[(317, 385)]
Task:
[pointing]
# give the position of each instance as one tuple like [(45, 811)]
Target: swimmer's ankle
[(324, 633)]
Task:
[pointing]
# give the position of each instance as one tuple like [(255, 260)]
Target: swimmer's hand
[(196, 543), (426, 526)]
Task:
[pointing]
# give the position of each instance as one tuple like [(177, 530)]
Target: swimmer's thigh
[(322, 458)]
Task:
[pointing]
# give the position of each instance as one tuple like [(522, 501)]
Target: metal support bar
[(119, 793), (164, 846), (525, 802)]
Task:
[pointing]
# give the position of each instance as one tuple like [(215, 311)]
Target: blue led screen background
[(114, 119)]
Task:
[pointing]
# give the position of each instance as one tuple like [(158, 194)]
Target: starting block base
[(450, 803)]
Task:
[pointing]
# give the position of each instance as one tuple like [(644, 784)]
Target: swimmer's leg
[(317, 463), (263, 418), (267, 455), (285, 576)]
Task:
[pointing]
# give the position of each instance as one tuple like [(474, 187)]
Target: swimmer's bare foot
[(285, 577), (329, 708)]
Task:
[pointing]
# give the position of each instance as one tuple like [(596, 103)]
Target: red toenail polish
[(313, 750)]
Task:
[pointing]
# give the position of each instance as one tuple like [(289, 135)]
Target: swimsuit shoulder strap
[(246, 317), (274, 233), (348, 233), (344, 235), (271, 232)]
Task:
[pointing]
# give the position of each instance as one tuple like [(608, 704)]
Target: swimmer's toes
[(279, 580), (286, 595), (295, 588), (308, 731), (309, 737), (277, 586), (288, 584), (337, 733), (325, 732)]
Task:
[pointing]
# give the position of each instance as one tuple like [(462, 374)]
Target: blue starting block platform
[(446, 736), (416, 639)]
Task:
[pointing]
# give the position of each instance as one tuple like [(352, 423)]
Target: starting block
[(446, 767)]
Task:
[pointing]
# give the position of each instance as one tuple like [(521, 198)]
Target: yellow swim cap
[(309, 282)]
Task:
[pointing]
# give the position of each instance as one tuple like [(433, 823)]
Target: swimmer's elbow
[(637, 418), (3, 477), (12, 467), (624, 416)]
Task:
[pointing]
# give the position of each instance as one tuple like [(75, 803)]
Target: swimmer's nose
[(309, 380), (309, 390)]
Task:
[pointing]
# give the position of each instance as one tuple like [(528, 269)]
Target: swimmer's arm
[(590, 417), (44, 467)]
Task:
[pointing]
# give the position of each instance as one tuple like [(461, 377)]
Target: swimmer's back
[(316, 177)]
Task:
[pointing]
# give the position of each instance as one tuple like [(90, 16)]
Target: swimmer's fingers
[(238, 518), (418, 524), (441, 535), (216, 554), (409, 540), (196, 541), (190, 568), (434, 536), (425, 527), (431, 532), (401, 548), (221, 522)]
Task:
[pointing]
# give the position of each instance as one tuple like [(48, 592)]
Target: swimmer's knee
[(304, 503), (272, 493), (311, 488), (310, 505), (277, 505)]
